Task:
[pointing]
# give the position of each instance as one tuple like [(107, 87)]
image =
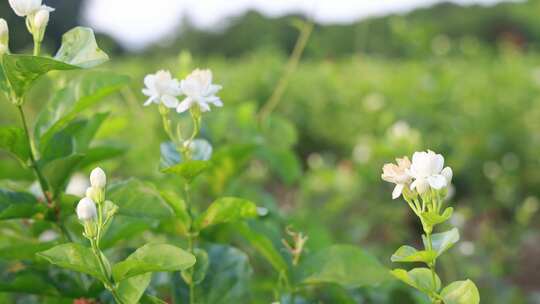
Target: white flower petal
[(149, 101), (184, 105), (398, 189), (204, 106), (437, 181), (448, 174), (169, 101), (421, 185)]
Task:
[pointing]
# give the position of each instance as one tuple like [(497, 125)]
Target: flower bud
[(95, 194), (98, 178), (86, 210), (41, 18), (4, 36)]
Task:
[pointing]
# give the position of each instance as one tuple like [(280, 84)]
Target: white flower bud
[(98, 178), (24, 8), (86, 209), (4, 36), (41, 18), (95, 194)]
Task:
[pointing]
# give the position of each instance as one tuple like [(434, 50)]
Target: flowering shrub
[(92, 238), (423, 183)]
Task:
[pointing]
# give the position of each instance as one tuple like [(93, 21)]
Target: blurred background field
[(461, 80)]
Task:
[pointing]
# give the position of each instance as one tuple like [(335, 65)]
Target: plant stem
[(41, 179), (109, 284), (37, 47), (431, 264), (294, 59), (191, 240)]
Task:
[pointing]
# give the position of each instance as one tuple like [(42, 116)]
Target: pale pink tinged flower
[(397, 174)]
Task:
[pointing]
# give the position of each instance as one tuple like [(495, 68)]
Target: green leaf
[(132, 289), (80, 94), (123, 228), (410, 254), (442, 241), (345, 265), (188, 169), (21, 71), (284, 163), (13, 140), (138, 199), (225, 210), (79, 48), (228, 277), (183, 219), (432, 218), (264, 246), (99, 154), (419, 278), (153, 258), (25, 250), (28, 282), (18, 205), (149, 299), (461, 292), (200, 268), (75, 257), (58, 171)]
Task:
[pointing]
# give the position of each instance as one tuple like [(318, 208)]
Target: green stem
[(432, 264), (109, 284), (291, 66), (191, 241)]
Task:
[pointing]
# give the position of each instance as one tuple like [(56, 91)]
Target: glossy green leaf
[(419, 278), (442, 241), (25, 250), (410, 254), (79, 48), (21, 71), (345, 265), (138, 199), (124, 228), (433, 218), (153, 258), (18, 205), (131, 290), (189, 169), (13, 140), (461, 292), (75, 257), (199, 269), (225, 210), (80, 94)]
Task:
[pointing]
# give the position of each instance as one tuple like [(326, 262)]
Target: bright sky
[(137, 23)]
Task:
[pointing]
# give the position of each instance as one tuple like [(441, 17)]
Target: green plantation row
[(202, 197)]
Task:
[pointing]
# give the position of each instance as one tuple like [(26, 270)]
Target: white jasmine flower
[(24, 8), (397, 174), (77, 185), (161, 88), (199, 90), (98, 178), (427, 171), (86, 209)]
